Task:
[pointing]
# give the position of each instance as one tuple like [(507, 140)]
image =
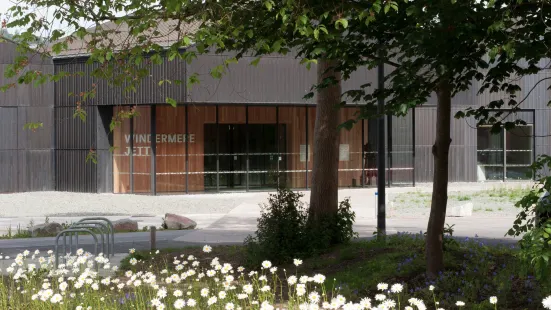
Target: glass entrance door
[(264, 160), (233, 156)]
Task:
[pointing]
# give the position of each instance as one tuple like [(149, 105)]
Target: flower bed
[(191, 283)]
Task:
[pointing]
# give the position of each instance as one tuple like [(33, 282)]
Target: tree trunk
[(324, 192), (440, 151)]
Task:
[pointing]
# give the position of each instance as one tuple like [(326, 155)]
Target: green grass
[(512, 194), (18, 233), (474, 271), (489, 210), (500, 195), (463, 198)]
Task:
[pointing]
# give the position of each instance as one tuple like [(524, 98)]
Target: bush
[(286, 230)]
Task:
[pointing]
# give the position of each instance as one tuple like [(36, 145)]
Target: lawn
[(474, 271)]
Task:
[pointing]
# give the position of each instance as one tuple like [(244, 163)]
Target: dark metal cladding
[(26, 156)]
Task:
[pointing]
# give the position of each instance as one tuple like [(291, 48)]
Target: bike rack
[(110, 234), (70, 231), (94, 226), (91, 226)]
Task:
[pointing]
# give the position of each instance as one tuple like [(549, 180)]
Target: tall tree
[(437, 48), (524, 52)]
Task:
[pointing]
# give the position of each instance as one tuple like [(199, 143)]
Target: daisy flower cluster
[(84, 281)]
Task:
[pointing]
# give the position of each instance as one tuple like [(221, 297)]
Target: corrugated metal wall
[(26, 157), (462, 150), (149, 91), (276, 80), (74, 140)]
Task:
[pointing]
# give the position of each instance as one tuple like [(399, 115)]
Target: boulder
[(45, 230), (462, 210), (125, 225), (174, 221)]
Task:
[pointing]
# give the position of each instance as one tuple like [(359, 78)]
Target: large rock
[(174, 221), (462, 210), (45, 230), (125, 225)]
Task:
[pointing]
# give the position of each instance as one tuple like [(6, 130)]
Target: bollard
[(153, 240)]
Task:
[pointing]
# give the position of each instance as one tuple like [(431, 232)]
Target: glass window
[(518, 154), (171, 149), (202, 148), (350, 150), (489, 154), (506, 154), (264, 160), (232, 145)]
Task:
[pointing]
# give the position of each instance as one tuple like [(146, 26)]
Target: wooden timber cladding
[(287, 151)]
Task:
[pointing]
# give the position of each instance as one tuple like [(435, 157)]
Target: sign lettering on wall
[(159, 138)]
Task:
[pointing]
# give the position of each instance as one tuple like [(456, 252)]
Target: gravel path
[(81, 204), (489, 200)]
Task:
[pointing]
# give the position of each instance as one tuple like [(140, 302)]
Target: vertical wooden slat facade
[(26, 157)]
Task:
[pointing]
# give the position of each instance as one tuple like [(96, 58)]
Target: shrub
[(286, 230)]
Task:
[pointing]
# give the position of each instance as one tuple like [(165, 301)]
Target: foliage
[(285, 231), (533, 222), (205, 281), (474, 272)]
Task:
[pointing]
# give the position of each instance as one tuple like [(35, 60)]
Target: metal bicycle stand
[(109, 225), (91, 226), (70, 231)]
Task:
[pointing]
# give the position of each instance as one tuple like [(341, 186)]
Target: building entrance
[(264, 159)]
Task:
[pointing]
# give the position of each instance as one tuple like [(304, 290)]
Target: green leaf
[(255, 61), (316, 33), (92, 156), (229, 61), (343, 22), (186, 40), (412, 10), (171, 101), (269, 4), (192, 79), (276, 47)]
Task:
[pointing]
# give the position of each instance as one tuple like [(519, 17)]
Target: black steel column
[(153, 121), (217, 152), (187, 150), (247, 147), (132, 155), (381, 195), (277, 141), (533, 141), (413, 143), (389, 147), (504, 155), (362, 179), (306, 156)]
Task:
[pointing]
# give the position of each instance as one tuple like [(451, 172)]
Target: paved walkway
[(233, 226)]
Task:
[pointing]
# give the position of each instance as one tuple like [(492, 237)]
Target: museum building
[(251, 130)]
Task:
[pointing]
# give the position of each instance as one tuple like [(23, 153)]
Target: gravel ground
[(498, 201), (81, 204), (489, 200)]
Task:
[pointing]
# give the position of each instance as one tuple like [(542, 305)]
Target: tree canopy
[(435, 48)]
